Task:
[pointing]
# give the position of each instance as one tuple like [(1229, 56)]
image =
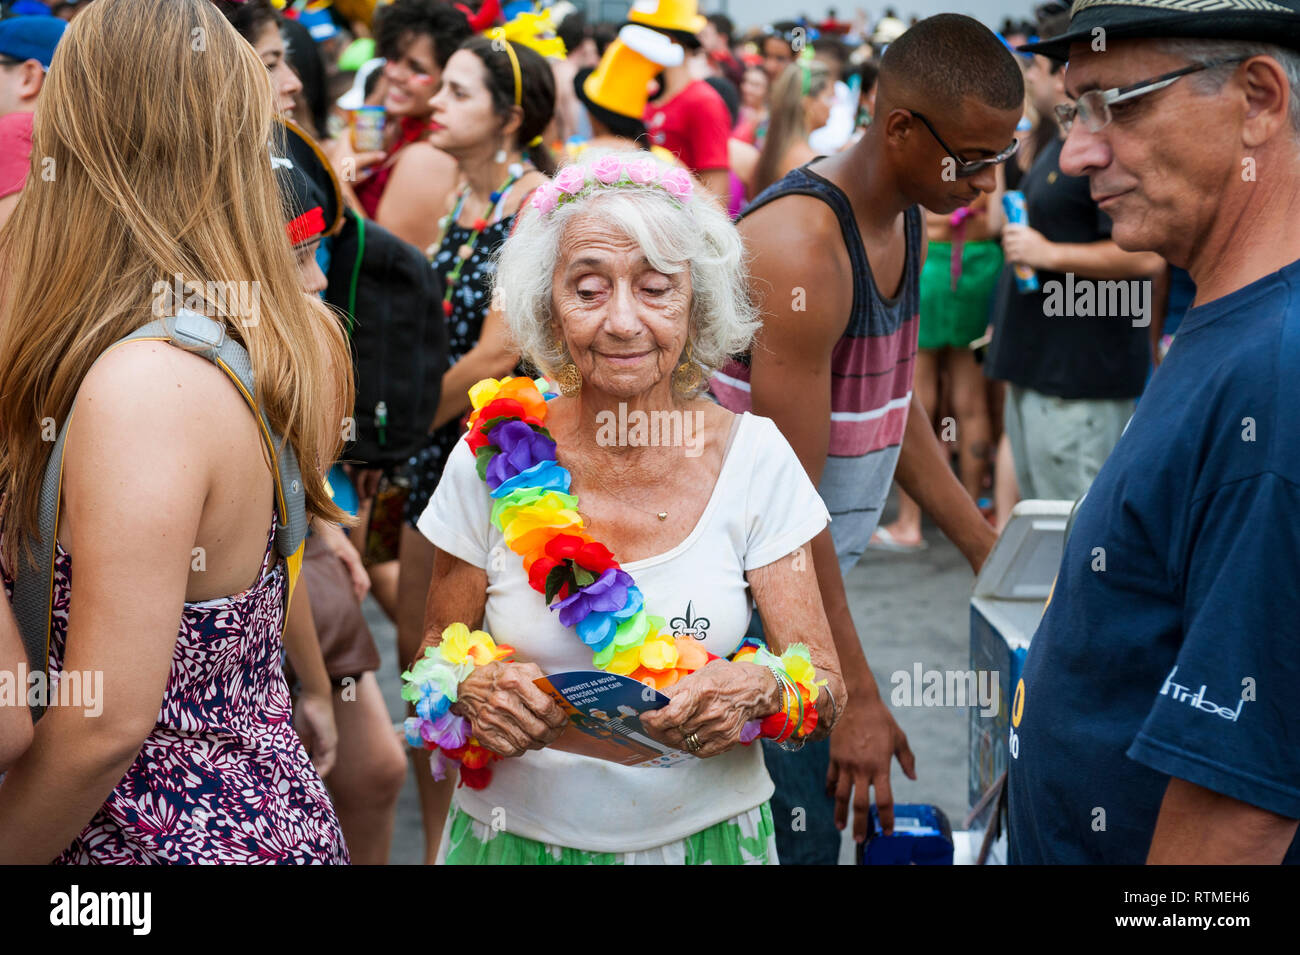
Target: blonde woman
[(801, 102), (192, 757)]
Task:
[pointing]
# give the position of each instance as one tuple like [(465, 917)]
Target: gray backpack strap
[(34, 583)]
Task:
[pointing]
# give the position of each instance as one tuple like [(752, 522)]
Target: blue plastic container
[(922, 836)]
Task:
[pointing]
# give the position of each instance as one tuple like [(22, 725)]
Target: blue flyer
[(605, 718)]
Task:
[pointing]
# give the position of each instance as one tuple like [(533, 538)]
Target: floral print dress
[(223, 777)]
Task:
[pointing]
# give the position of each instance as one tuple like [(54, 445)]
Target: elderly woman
[(625, 284)]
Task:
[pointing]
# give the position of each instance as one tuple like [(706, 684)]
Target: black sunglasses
[(966, 169)]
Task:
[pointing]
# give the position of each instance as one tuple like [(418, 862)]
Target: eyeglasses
[(1093, 107), (967, 169)]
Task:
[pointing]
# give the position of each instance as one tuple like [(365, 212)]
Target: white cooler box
[(1010, 594)]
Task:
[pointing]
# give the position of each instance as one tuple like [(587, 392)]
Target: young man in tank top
[(837, 250)]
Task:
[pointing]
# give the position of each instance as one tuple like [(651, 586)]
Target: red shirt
[(693, 126), (15, 151)]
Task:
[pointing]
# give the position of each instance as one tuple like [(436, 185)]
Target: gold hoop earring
[(568, 377), (688, 377), (569, 380)]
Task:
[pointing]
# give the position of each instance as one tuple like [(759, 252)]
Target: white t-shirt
[(762, 508)]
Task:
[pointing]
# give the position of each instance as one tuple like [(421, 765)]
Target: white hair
[(675, 237), (1211, 81)]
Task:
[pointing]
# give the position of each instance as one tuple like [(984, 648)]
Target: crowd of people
[(410, 248)]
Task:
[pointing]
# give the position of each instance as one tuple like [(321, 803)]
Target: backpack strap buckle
[(196, 332)]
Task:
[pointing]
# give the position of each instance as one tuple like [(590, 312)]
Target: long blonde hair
[(152, 133), (786, 125)]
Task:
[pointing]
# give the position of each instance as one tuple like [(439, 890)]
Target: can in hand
[(1013, 203), (368, 129)]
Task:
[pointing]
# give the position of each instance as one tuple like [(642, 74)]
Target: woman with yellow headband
[(496, 98), (404, 186)]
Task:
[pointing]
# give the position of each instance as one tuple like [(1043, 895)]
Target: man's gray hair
[(1211, 81), (675, 237)]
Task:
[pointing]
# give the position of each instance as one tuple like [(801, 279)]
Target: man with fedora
[(26, 48), (1157, 719)]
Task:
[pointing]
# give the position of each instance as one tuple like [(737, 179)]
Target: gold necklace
[(662, 515)]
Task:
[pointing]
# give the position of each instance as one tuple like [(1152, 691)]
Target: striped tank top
[(871, 373)]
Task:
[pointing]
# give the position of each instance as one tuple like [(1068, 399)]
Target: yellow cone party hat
[(681, 15), (621, 82)]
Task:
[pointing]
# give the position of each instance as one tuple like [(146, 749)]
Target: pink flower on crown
[(544, 198), (677, 183), (643, 171), (608, 169), (570, 180)]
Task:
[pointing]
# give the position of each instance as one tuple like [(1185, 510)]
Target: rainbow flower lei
[(580, 580)]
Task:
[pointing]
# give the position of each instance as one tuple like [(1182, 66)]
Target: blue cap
[(31, 38), (319, 23)]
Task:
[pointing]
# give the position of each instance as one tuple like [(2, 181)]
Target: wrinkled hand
[(313, 718), (863, 746), (507, 711), (714, 703), (1027, 246)]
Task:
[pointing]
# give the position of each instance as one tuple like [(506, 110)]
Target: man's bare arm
[(1199, 826), (924, 473), (790, 379)]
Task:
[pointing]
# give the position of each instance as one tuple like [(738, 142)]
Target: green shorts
[(746, 839), (954, 319)]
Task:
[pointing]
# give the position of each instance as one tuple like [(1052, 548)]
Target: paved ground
[(908, 608)]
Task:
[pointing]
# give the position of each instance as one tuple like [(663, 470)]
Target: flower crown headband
[(612, 172)]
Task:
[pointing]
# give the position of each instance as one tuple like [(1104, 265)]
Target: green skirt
[(954, 319), (746, 839)]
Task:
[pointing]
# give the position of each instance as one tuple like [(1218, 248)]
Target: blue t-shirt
[(1171, 643)]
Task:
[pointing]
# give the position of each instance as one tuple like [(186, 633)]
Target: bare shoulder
[(149, 414), (800, 275), (793, 235), (529, 181), (424, 157), (714, 421), (158, 383), (421, 169)]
